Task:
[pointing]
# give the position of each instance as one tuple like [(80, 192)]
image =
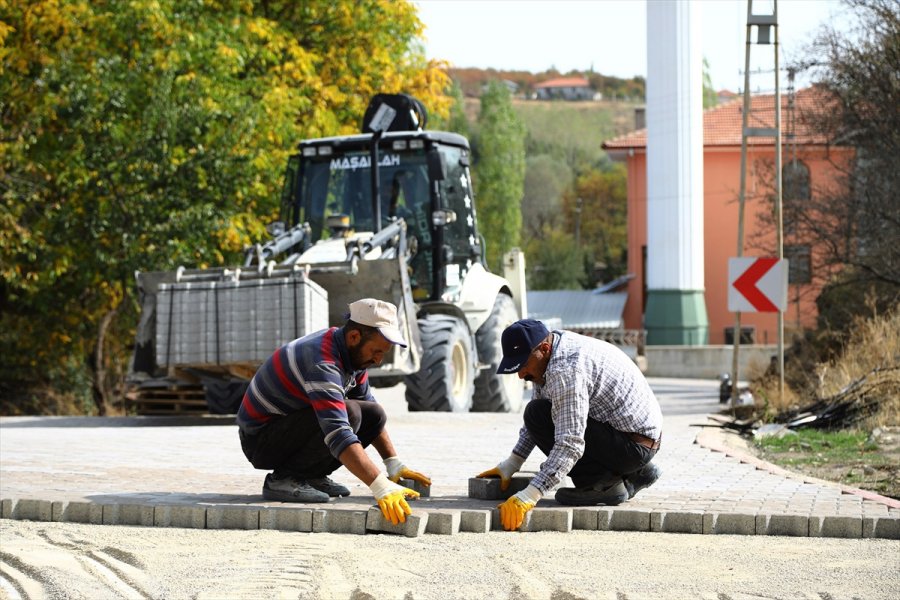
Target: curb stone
[(448, 522)]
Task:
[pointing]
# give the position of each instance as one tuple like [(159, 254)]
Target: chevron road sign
[(757, 284)]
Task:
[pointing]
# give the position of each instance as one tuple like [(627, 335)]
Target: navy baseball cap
[(517, 341)]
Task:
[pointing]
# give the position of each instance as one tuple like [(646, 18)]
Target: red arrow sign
[(757, 284), (746, 284)]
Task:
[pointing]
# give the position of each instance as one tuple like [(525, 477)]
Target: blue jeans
[(609, 454)]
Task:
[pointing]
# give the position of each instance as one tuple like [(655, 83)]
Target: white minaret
[(676, 308)]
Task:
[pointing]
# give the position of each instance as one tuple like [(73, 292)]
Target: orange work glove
[(397, 471), (512, 512), (391, 498), (505, 470)]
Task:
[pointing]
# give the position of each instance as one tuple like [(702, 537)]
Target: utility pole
[(767, 33), (578, 203)]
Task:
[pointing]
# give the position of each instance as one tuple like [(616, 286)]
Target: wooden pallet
[(181, 400)]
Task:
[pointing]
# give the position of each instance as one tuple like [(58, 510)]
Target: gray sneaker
[(291, 489), (330, 487), (609, 494), (646, 477)]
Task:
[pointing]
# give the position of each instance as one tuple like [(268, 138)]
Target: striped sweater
[(313, 371)]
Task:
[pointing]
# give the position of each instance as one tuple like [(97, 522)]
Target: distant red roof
[(722, 124), (564, 82)]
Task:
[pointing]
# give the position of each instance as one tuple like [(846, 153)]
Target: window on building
[(799, 264), (748, 335), (795, 193), (795, 180)]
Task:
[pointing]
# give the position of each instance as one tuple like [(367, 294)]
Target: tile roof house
[(564, 88), (806, 156), (723, 96)]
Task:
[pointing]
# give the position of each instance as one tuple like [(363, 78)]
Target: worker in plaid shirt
[(592, 414)]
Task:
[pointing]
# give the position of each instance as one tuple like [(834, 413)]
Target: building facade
[(809, 166)]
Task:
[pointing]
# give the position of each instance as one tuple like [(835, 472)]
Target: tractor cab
[(422, 179)]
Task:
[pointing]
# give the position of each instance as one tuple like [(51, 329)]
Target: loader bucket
[(384, 279)]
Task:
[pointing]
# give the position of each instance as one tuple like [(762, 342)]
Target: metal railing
[(634, 338)]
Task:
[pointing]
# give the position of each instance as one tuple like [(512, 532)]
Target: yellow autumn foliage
[(146, 134)]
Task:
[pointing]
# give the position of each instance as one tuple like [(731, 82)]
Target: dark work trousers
[(295, 445), (609, 455)]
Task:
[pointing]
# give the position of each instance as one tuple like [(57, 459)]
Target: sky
[(610, 35)]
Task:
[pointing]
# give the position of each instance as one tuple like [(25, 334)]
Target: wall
[(706, 362)]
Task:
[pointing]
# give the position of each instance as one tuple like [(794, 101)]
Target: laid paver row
[(447, 522), (138, 476)]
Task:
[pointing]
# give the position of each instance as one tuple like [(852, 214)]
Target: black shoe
[(291, 489), (646, 477), (332, 488), (609, 494)]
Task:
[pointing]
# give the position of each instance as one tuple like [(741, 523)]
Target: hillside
[(472, 82), (568, 128)]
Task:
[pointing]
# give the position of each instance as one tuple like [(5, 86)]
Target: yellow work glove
[(391, 498), (397, 471), (505, 470), (512, 512)]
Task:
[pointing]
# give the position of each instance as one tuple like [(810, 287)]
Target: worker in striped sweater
[(309, 409)]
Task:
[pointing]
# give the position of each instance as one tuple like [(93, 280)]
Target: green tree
[(546, 179), (359, 48), (499, 172), (570, 131), (148, 134), (555, 261), (710, 97), (596, 211), (457, 121)]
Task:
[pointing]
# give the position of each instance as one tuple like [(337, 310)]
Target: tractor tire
[(385, 381), (495, 392), (446, 380)]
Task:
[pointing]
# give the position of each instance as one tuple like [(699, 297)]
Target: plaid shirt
[(586, 377)]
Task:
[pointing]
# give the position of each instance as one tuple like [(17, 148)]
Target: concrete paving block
[(677, 521), (791, 525), (729, 524), (488, 488), (475, 521), (319, 520), (424, 490), (339, 521), (128, 514), (549, 519), (413, 526), (32, 510), (443, 522), (629, 520), (232, 517), (78, 512), (586, 518), (604, 515), (285, 518), (497, 525), (882, 527), (835, 527), (187, 517)]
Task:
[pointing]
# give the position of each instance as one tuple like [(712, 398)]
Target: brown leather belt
[(644, 441)]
